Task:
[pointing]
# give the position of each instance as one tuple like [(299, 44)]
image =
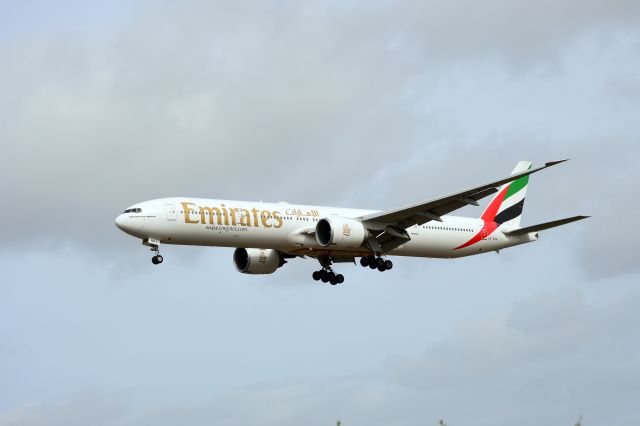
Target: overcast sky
[(356, 104)]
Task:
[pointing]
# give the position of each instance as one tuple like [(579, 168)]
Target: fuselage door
[(170, 210)]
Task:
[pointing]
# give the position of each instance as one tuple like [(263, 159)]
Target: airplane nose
[(128, 224), (120, 222)]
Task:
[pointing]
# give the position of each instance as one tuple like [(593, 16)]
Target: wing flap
[(410, 215), (543, 226), (388, 223)]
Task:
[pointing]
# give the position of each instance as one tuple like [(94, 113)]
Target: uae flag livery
[(505, 208)]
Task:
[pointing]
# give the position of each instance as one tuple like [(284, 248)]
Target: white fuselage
[(290, 228)]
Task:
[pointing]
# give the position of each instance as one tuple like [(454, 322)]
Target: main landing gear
[(376, 263), (327, 274)]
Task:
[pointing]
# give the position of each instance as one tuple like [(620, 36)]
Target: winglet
[(553, 163)]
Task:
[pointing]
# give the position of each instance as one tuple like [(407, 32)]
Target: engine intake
[(256, 261), (341, 232)]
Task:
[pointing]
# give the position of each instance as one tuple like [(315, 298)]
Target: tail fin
[(506, 207)]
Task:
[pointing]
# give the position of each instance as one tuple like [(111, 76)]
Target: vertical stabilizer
[(506, 207)]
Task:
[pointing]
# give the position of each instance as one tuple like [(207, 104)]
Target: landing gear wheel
[(327, 275), (388, 265), (156, 259), (373, 265), (364, 261), (380, 262), (381, 268)]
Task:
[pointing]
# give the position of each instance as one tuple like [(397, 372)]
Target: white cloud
[(81, 408), (549, 358)]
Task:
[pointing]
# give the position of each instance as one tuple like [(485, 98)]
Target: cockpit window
[(136, 210)]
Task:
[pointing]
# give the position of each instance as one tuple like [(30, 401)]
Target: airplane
[(266, 235)]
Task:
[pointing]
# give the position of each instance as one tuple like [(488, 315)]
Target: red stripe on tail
[(488, 218)]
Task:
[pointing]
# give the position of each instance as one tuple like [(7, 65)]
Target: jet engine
[(341, 232), (256, 261)]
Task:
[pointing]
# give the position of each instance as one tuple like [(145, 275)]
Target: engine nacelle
[(256, 261), (341, 232)]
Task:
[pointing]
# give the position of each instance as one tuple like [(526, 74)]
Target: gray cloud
[(355, 104), (255, 102)]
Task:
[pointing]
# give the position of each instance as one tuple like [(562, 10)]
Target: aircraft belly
[(437, 245)]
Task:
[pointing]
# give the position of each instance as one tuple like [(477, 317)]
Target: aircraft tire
[(154, 260), (388, 265), (316, 275), (364, 261), (340, 278), (381, 268)]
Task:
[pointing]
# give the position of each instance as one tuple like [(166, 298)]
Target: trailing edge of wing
[(543, 226), (449, 203)]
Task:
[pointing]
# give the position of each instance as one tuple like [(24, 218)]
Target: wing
[(391, 225)]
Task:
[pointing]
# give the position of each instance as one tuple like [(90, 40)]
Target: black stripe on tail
[(509, 213)]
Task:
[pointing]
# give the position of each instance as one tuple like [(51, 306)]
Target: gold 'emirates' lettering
[(265, 216), (232, 216), (204, 212), (187, 211), (278, 218), (255, 216), (245, 217)]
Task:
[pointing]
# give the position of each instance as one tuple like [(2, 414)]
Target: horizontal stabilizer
[(543, 226)]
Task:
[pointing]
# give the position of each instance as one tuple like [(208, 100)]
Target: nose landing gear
[(154, 246)]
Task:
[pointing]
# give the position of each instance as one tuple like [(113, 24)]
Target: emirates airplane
[(266, 235)]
